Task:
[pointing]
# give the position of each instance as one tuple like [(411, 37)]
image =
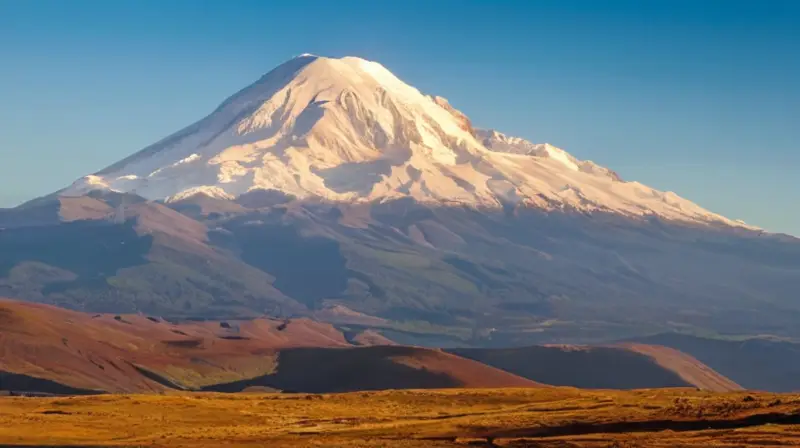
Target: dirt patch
[(185, 343), (55, 412), (646, 426)]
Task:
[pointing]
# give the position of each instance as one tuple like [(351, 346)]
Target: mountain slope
[(49, 349), (348, 130), (127, 255), (64, 351), (324, 370), (330, 188), (755, 363), (446, 274), (135, 353), (620, 367)]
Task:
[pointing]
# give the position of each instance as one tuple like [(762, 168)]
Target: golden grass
[(455, 417)]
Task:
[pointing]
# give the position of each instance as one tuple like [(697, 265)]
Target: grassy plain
[(547, 417)]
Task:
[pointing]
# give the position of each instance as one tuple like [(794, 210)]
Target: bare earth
[(145, 354), (543, 417)]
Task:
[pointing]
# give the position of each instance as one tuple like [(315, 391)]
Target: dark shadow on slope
[(18, 383), (255, 199), (473, 270), (355, 177), (313, 370), (583, 367), (153, 376), (374, 289), (90, 249), (308, 269), (36, 212), (769, 251), (762, 364)]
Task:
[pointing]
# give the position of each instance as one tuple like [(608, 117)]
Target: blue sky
[(701, 97)]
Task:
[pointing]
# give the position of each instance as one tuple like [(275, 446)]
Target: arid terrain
[(542, 417), (53, 350)]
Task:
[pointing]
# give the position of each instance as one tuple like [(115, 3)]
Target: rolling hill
[(631, 366), (137, 353), (754, 362), (323, 370), (53, 350)]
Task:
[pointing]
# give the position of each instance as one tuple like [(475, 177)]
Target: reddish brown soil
[(43, 347), (687, 367), (322, 370), (370, 338), (625, 366), (110, 352), (135, 353)]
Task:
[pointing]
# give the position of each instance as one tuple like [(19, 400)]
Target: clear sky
[(701, 97)]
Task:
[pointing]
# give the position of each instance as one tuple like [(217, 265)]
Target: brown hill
[(686, 367), (49, 349), (322, 370), (755, 363), (628, 366), (131, 353), (368, 338), (55, 210)]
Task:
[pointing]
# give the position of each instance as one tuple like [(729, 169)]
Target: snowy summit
[(349, 130)]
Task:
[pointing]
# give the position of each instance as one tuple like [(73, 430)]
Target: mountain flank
[(331, 189)]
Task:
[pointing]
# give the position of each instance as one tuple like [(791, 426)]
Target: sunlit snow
[(349, 130)]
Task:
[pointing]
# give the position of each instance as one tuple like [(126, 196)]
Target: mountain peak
[(349, 130)]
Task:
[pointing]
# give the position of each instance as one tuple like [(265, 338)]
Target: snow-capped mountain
[(348, 130), (329, 184)]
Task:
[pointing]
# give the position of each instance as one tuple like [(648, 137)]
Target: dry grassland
[(547, 417)]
